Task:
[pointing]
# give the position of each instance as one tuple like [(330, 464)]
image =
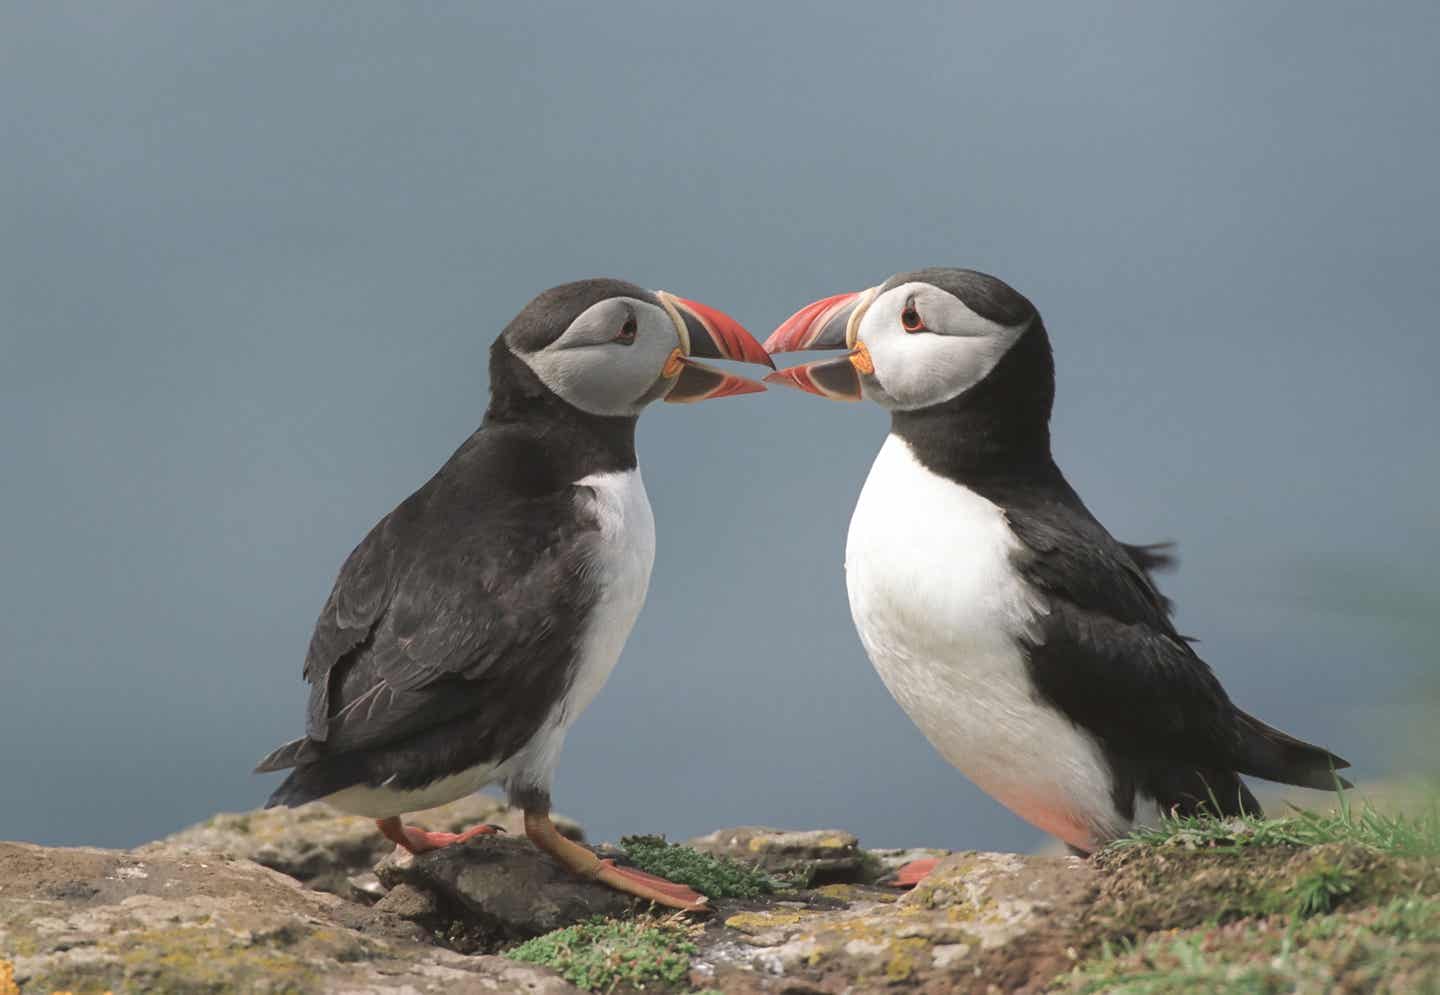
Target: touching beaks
[(837, 379), (704, 331), (831, 323)]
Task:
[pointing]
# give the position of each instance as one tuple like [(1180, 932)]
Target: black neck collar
[(590, 443), (999, 430)]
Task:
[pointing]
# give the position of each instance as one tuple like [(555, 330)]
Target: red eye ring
[(910, 319), (626, 335)]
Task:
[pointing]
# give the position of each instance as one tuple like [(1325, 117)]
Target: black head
[(923, 339), (609, 348), (934, 335)]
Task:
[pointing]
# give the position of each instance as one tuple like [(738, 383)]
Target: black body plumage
[(452, 629), (1104, 652)]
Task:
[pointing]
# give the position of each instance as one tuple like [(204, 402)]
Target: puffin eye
[(626, 335), (910, 319)]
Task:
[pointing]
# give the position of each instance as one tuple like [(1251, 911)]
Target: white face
[(609, 360), (927, 346)]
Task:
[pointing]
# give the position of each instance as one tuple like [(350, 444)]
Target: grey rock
[(979, 922), (364, 888), (409, 903), (176, 920), (817, 856), (503, 887), (325, 849)]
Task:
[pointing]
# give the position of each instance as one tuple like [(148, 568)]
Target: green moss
[(872, 868), (603, 954), (716, 877), (1317, 891), (1390, 948), (1152, 889)]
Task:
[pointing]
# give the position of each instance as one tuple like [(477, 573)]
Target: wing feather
[(450, 602)]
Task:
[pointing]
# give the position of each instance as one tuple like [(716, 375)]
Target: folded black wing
[(1107, 654), (470, 595)]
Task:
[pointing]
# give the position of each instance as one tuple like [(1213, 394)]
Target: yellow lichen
[(7, 979), (903, 954), (760, 922)]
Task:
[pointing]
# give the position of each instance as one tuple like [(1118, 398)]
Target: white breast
[(620, 569), (939, 609), (618, 565)]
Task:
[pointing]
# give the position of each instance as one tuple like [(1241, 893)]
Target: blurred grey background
[(252, 257)]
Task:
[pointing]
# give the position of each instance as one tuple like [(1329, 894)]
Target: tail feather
[(293, 792), (292, 754), (1277, 756), (1154, 556), (316, 774)]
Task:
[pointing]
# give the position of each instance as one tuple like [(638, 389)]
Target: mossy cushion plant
[(603, 954), (715, 877), (1389, 948), (1346, 900)]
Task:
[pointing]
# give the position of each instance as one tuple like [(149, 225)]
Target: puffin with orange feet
[(476, 621), (1030, 647)]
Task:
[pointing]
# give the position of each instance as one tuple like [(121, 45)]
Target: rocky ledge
[(304, 901)]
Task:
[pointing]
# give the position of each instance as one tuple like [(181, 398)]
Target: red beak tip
[(732, 389), (730, 337), (801, 329)]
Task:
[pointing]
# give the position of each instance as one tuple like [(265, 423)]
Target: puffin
[(1032, 649), (471, 627)]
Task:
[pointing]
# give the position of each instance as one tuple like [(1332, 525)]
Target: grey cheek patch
[(657, 390), (917, 370), (586, 367)]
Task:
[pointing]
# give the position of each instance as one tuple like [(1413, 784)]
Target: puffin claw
[(417, 840)]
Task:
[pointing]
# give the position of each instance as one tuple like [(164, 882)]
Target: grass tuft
[(604, 954), (1318, 892), (1402, 835), (716, 877)]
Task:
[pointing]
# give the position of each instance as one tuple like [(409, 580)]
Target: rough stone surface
[(818, 856), (172, 920), (1196, 912), (979, 920), (502, 888), (326, 849)]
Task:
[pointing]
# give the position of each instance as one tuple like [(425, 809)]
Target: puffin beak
[(706, 332), (830, 323), (837, 379)]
